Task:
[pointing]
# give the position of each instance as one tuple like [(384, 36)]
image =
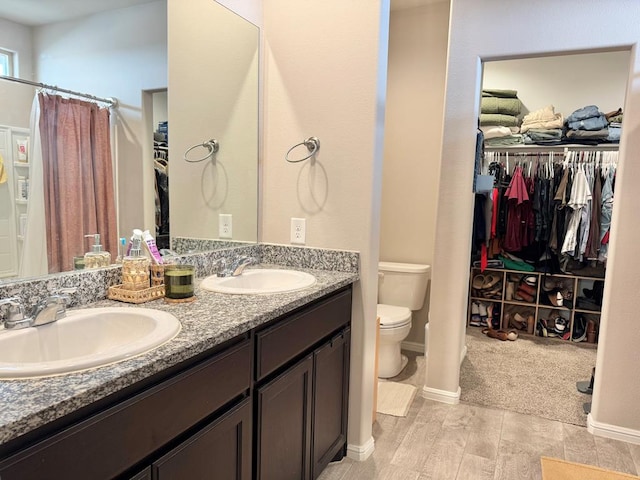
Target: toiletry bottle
[(135, 267), (122, 250), (152, 248), (96, 257)]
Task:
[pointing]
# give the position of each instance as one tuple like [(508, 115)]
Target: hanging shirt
[(580, 195), (605, 216), (517, 213), (585, 220)]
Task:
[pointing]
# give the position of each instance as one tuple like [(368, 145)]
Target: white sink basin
[(260, 281), (85, 338)]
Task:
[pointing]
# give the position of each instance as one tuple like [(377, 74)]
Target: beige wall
[(413, 128), (325, 76), (537, 29), (16, 98), (213, 94)]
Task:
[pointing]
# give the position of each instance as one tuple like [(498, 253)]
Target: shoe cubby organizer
[(565, 307)]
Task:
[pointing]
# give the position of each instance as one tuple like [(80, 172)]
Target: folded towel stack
[(499, 111)]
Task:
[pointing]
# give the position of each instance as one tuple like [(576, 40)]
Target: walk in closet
[(546, 167)]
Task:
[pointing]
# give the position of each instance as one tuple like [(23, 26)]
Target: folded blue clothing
[(614, 133), (591, 123), (584, 112)]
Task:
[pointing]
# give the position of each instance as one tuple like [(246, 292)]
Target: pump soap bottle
[(135, 267), (96, 258)]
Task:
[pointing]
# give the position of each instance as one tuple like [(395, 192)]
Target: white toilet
[(401, 288)]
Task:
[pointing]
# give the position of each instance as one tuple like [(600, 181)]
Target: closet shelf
[(21, 164), (20, 201)]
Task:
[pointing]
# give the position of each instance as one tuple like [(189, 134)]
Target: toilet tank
[(403, 284)]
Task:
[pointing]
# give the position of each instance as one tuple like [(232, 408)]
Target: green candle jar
[(178, 281)]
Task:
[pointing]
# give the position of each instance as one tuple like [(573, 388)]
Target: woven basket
[(135, 296)]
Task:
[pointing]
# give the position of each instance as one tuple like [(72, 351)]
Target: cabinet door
[(331, 387), (221, 450), (284, 425)]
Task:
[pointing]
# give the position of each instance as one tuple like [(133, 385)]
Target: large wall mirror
[(123, 49)]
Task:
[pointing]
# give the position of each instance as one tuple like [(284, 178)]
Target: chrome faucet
[(235, 267), (52, 308)]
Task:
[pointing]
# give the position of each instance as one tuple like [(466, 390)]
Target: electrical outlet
[(298, 234), (225, 225)]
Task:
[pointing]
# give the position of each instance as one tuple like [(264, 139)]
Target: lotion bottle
[(96, 258)]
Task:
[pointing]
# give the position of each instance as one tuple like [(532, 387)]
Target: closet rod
[(112, 102), (553, 148)]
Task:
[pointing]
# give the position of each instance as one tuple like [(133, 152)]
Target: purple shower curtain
[(78, 178)]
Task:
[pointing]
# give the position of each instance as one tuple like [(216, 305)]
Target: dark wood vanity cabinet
[(270, 404), (302, 411)]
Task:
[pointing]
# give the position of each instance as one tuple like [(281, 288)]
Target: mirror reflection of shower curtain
[(34, 252), (78, 178)]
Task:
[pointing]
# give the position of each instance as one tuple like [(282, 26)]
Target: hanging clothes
[(580, 195), (517, 195), (552, 212)]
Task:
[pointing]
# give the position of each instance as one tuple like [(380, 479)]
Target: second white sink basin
[(85, 338), (259, 281)]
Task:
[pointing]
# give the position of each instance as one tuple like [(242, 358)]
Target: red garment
[(483, 257), (519, 213), (494, 213)]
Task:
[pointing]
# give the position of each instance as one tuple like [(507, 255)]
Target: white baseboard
[(360, 453), (612, 431), (413, 347), (442, 396)]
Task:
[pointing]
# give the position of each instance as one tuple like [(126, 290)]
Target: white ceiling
[(40, 12)]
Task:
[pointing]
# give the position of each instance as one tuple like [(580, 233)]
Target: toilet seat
[(392, 316)]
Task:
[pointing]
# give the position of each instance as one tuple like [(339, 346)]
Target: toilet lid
[(392, 316)]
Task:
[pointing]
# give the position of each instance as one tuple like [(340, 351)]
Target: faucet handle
[(16, 308), (61, 296)]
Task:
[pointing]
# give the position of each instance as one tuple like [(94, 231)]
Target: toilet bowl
[(395, 325), (402, 289)]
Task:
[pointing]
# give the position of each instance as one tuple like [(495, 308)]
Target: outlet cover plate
[(298, 231), (225, 226)]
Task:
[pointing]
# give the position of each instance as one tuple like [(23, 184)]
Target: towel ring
[(212, 145), (312, 144)]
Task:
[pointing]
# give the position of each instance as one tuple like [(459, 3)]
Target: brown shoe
[(527, 289)]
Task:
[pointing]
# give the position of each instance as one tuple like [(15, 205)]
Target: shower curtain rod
[(112, 102)]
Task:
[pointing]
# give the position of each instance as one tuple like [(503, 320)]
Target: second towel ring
[(312, 144), (212, 145)]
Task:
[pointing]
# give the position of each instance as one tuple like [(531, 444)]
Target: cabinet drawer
[(110, 442), (282, 342)]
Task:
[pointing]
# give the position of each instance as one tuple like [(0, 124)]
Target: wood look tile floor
[(467, 442)]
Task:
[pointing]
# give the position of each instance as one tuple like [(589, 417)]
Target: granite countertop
[(209, 321)]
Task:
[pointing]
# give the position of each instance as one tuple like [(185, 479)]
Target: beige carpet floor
[(556, 469), (534, 376)]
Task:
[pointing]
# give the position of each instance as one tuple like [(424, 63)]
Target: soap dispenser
[(135, 267), (96, 258)]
